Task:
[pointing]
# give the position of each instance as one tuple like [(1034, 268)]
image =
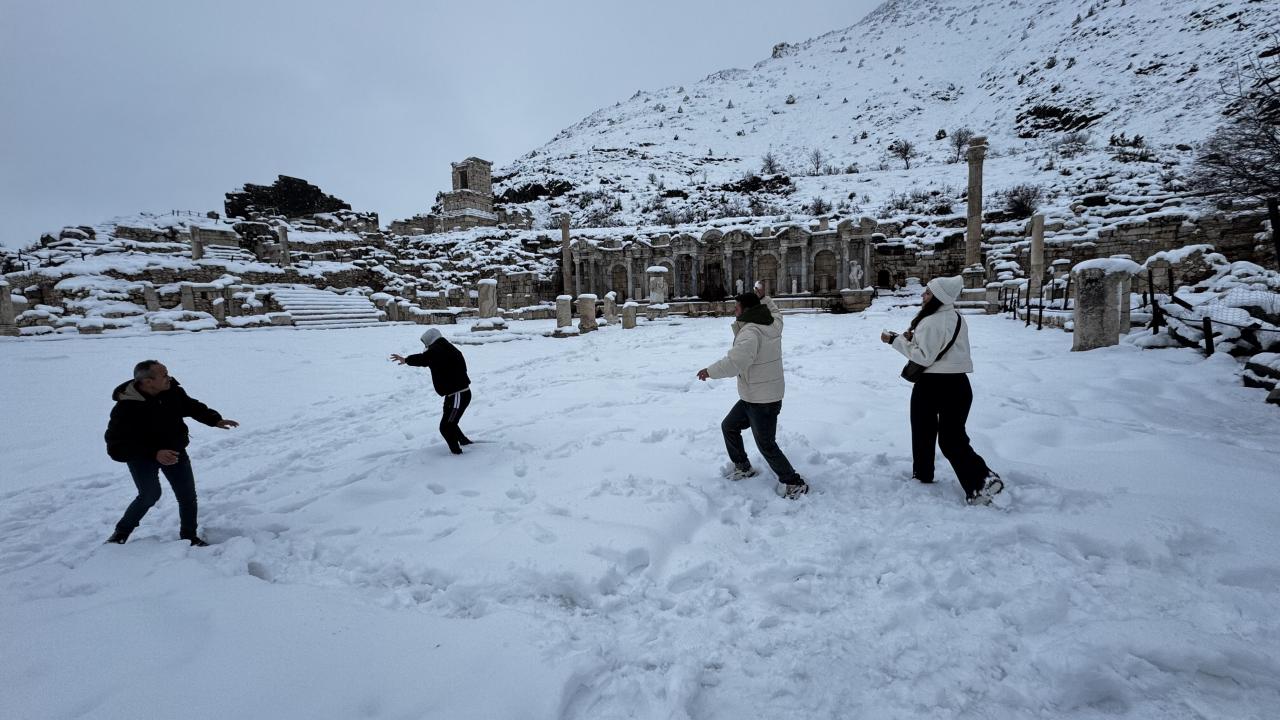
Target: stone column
[(564, 311), (1101, 312), (8, 318), (1037, 254), (973, 231), (587, 312), (197, 246), (657, 285), (487, 292), (566, 262), (411, 293), (629, 315), (151, 297), (219, 310), (282, 237), (611, 308), (229, 298), (188, 297)]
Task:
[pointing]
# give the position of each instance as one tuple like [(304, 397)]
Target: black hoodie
[(448, 367), (143, 425)]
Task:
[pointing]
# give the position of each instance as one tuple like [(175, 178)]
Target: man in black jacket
[(147, 432), (449, 375)]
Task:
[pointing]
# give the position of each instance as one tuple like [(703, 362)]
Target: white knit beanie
[(946, 289), (430, 336)]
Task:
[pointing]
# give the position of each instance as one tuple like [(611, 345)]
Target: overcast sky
[(109, 108)]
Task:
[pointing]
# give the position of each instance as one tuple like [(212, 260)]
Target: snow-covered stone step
[(322, 309)]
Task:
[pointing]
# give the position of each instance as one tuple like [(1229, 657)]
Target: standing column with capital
[(973, 231), (1037, 254), (566, 267)]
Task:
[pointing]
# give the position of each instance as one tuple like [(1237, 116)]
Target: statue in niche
[(855, 274)]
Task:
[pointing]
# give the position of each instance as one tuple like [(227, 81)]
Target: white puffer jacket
[(756, 358), (931, 335)]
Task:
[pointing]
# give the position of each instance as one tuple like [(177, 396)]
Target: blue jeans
[(146, 475), (762, 418)]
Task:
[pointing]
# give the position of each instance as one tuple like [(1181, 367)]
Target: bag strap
[(954, 336)]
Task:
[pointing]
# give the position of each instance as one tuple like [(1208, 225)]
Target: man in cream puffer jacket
[(756, 360)]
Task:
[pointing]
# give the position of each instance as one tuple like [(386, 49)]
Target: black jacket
[(141, 426), (448, 367)]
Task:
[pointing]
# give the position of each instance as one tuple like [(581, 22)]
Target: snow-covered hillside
[(1022, 72)]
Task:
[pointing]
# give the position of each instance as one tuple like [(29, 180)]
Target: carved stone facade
[(793, 260)]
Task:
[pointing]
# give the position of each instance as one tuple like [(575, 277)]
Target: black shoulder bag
[(913, 370)]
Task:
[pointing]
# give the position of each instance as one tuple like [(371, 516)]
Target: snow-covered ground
[(587, 561)]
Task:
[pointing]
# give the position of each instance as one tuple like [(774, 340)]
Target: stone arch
[(825, 267), (767, 272), (711, 236), (618, 280), (685, 275), (883, 278)]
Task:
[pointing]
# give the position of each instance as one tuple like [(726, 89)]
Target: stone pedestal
[(160, 325), (629, 315), (219, 308), (611, 308), (975, 278), (657, 285), (188, 297), (973, 228), (587, 312), (151, 297), (564, 311), (1101, 312), (197, 249), (856, 300), (282, 238), (8, 318), (487, 298)]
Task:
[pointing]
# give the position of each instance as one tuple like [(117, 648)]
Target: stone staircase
[(973, 302), (228, 253), (324, 310)]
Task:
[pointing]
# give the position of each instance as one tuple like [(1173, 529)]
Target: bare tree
[(1242, 157), (960, 138), (904, 150), (769, 164), (816, 159)]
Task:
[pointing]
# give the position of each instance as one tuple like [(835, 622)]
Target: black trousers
[(146, 476), (940, 405), (454, 406), (762, 418)]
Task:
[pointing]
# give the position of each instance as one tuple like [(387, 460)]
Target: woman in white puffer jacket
[(939, 340)]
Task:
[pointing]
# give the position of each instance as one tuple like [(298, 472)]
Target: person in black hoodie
[(449, 375), (147, 432)]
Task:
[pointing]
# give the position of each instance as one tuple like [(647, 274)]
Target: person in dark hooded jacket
[(449, 376), (147, 432)]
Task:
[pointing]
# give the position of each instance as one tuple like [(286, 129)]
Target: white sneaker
[(737, 473), (791, 491), (990, 489)]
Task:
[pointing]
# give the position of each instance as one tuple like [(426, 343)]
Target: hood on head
[(946, 289), (430, 336)]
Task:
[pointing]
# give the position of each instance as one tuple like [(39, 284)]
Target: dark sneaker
[(118, 537), (196, 542), (455, 448), (990, 489), (742, 472), (464, 440), (791, 491)]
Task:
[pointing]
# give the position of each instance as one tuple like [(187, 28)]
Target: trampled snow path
[(588, 562)]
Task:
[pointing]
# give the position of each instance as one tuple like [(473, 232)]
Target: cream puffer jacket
[(756, 358), (931, 335)]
